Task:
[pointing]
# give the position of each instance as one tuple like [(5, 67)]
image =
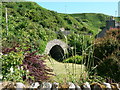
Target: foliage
[(96, 78), (23, 27), (31, 19), (82, 45), (37, 68), (74, 59), (60, 35), (79, 42), (107, 54), (91, 22), (21, 64), (30, 23), (10, 65)]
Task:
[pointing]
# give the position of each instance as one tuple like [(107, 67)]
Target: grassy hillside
[(94, 22), (44, 17), (30, 23), (32, 12)]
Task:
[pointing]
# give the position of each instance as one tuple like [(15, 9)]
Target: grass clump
[(74, 59)]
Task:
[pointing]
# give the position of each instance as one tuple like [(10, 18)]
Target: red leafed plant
[(32, 62), (36, 67)]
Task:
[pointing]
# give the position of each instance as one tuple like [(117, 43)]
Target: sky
[(108, 7), (75, 0)]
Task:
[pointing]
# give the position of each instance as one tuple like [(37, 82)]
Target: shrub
[(37, 68), (10, 63), (74, 59), (107, 54), (21, 64)]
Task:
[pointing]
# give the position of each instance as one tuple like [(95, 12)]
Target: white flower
[(1, 53), (27, 71), (18, 67), (21, 67), (11, 69), (5, 54)]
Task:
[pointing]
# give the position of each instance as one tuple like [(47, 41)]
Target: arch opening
[(57, 53)]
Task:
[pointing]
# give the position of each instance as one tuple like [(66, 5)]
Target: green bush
[(107, 55), (75, 59), (79, 42), (10, 66), (21, 64)]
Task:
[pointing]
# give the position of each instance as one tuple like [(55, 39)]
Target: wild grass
[(64, 71), (72, 72)]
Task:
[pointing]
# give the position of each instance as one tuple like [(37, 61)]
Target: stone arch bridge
[(56, 49)]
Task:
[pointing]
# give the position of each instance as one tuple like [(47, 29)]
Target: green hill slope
[(44, 17), (92, 21), (30, 23), (51, 19)]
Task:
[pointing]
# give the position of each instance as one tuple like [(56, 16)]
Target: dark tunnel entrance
[(57, 53)]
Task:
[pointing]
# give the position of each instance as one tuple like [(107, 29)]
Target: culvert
[(57, 53), (56, 49)]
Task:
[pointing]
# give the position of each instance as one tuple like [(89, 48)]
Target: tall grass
[(73, 75)]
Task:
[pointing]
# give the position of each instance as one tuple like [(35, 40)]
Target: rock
[(71, 86), (35, 85), (77, 87), (55, 86), (19, 86), (1, 86), (86, 86), (115, 86), (46, 86), (96, 86), (64, 86), (8, 85), (107, 85)]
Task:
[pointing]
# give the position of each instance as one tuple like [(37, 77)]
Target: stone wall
[(54, 42)]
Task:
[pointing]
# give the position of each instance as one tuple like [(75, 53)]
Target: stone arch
[(56, 48)]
